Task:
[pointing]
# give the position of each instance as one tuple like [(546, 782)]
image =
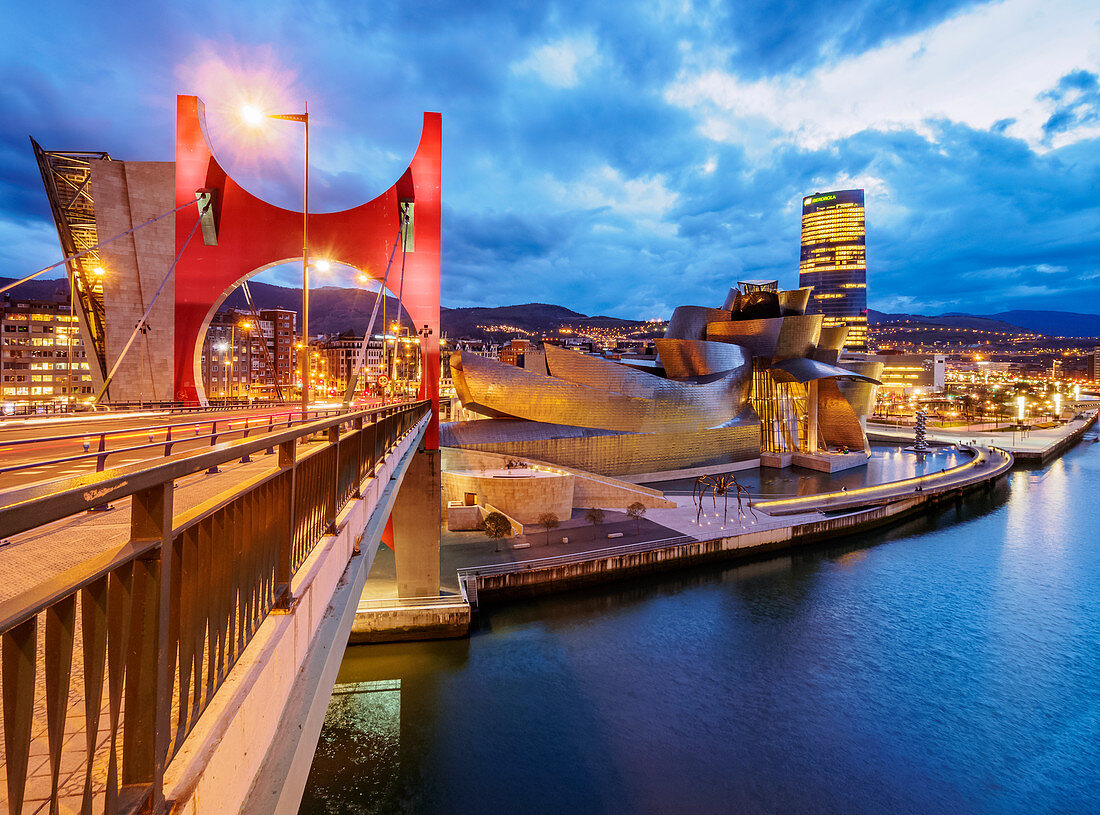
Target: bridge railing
[(217, 429), (149, 630)]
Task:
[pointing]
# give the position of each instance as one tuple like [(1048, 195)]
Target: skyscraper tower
[(834, 261)]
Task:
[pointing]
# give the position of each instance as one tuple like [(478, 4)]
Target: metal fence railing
[(172, 435), (151, 628)]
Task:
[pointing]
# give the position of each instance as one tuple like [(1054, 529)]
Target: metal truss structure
[(67, 177)]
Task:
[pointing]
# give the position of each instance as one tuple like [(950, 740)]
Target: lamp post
[(254, 116), (223, 347), (246, 326)]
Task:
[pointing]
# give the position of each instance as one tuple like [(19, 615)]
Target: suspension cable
[(142, 322), (98, 245), (361, 357)]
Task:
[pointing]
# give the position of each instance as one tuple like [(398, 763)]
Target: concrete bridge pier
[(416, 521)]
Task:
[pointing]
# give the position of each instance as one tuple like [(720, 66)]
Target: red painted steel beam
[(254, 235)]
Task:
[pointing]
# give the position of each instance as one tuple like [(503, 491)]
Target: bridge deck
[(43, 555), (35, 557)]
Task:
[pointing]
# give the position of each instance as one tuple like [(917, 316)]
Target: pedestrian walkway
[(1039, 444)]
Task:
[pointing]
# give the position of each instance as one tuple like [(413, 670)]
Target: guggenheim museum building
[(755, 381)]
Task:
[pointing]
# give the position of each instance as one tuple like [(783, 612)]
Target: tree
[(594, 516), (497, 527), (548, 521), (636, 511)]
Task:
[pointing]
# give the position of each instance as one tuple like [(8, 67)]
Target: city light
[(1020, 408)]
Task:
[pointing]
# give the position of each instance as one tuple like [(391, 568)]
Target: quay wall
[(411, 621), (1046, 454), (492, 588)]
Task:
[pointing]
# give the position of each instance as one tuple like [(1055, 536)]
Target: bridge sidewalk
[(34, 557)]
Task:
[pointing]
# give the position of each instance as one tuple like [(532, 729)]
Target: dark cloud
[(599, 196), (780, 36)]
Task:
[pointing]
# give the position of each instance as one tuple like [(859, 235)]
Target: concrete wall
[(589, 489), (524, 498), (398, 623), (417, 517), (126, 194)]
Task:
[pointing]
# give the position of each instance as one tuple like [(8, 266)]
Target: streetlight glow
[(252, 115)]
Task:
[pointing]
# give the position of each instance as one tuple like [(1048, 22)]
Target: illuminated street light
[(253, 116)]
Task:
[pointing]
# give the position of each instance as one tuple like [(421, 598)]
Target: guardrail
[(892, 490), (388, 603), (53, 408), (161, 619), (268, 423)]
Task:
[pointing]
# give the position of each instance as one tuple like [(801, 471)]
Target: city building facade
[(905, 372), (243, 357), (1093, 365), (42, 358), (833, 260)]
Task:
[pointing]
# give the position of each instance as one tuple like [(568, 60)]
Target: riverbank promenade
[(1027, 446), (579, 551)]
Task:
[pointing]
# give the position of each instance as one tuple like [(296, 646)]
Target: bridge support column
[(416, 521)]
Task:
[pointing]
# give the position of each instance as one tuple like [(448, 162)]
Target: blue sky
[(616, 158)]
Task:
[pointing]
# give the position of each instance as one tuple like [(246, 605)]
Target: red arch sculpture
[(253, 234)]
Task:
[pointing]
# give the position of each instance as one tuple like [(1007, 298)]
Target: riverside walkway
[(688, 535), (1027, 446)]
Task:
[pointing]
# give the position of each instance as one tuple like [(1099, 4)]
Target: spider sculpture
[(721, 485)]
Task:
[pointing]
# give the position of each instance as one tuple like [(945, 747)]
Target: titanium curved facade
[(731, 383)]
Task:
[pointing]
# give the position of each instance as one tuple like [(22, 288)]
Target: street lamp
[(223, 348), (254, 116)]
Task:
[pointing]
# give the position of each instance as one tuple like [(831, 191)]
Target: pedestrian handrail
[(269, 423), (157, 623), (891, 490), (387, 603)]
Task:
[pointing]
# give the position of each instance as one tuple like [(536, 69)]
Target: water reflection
[(948, 664), (887, 463)]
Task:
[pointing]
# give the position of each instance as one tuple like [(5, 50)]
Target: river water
[(947, 665)]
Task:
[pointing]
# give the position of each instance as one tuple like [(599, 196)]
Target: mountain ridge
[(335, 310)]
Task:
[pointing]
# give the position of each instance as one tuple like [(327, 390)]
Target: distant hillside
[(334, 310), (56, 290), (1055, 323), (954, 320), (1052, 323)]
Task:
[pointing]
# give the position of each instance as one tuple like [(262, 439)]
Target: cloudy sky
[(621, 157)]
